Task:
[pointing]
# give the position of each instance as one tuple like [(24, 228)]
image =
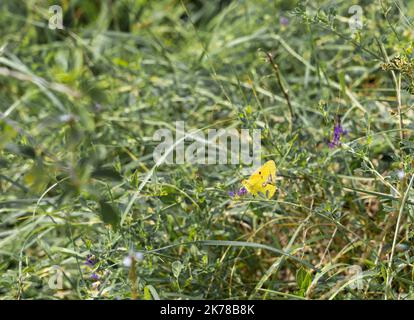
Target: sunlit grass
[(81, 197)]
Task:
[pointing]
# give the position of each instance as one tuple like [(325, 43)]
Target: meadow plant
[(88, 88)]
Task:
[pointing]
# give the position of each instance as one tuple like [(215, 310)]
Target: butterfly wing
[(262, 180), (268, 191), (251, 185)]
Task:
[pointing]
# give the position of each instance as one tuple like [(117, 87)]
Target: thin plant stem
[(282, 88), (397, 227)]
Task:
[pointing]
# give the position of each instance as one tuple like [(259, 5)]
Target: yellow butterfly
[(262, 181)]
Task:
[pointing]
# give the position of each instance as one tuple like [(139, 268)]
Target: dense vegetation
[(86, 212)]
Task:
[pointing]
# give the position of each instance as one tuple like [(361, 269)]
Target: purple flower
[(283, 21), (242, 191), (94, 276), (239, 193), (338, 132), (90, 261)]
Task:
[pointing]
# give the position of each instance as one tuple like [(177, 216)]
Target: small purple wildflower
[(90, 261), (338, 132), (239, 193), (94, 276), (242, 191), (283, 21)]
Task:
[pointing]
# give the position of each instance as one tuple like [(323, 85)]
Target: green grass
[(79, 107)]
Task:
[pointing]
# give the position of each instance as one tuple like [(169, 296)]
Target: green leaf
[(168, 195), (177, 267), (153, 294), (303, 279), (106, 173), (7, 134), (147, 293), (109, 214)]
